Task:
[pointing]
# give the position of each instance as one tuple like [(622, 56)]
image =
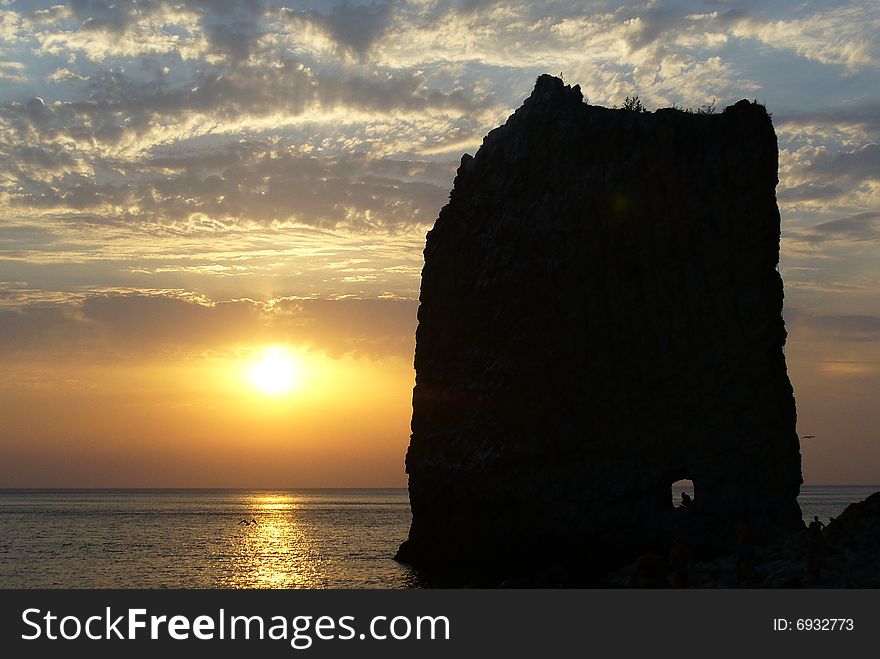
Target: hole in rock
[(682, 493)]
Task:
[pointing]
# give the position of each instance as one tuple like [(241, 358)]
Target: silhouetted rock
[(853, 541), (846, 554), (600, 317)]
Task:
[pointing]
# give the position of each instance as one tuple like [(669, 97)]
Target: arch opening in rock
[(683, 493)]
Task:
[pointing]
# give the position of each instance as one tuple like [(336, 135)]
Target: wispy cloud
[(161, 144)]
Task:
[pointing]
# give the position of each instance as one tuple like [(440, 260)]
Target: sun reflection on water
[(275, 551)]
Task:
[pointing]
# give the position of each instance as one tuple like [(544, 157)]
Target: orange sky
[(183, 184), (199, 421), (107, 408)]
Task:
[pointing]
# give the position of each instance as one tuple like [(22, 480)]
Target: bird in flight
[(247, 522)]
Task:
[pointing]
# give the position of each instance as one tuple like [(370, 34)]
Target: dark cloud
[(119, 104), (257, 183), (832, 174), (860, 165), (111, 16), (74, 156), (354, 28), (471, 6), (654, 22), (854, 228), (23, 332), (234, 39), (810, 191), (21, 160), (734, 15), (862, 226), (85, 195), (276, 186), (233, 28), (158, 321), (836, 327), (120, 325), (855, 327), (230, 26), (48, 146), (866, 116), (36, 111)]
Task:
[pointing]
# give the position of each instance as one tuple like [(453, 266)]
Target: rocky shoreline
[(845, 554)]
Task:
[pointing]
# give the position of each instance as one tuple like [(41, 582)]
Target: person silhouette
[(685, 500), (816, 526)]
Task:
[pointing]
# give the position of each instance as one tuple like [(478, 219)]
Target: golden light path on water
[(273, 550), (304, 538)]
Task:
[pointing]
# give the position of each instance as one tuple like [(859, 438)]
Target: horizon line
[(207, 489)]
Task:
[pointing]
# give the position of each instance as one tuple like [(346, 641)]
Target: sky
[(187, 187)]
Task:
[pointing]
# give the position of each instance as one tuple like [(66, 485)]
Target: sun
[(275, 372)]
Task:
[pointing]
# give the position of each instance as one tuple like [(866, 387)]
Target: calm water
[(193, 539)]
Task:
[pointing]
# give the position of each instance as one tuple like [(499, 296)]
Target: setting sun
[(275, 372)]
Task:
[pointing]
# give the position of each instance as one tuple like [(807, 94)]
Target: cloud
[(127, 113), (850, 327), (855, 228), (859, 165), (272, 186), (654, 23), (864, 116), (12, 71), (100, 29), (123, 326), (64, 74), (252, 182), (159, 143), (839, 35), (352, 326), (836, 327), (233, 28), (820, 174), (27, 161), (89, 153), (470, 6), (353, 28)]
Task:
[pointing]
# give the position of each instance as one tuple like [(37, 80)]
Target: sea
[(330, 538)]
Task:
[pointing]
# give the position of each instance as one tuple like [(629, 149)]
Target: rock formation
[(600, 317), (846, 554)]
